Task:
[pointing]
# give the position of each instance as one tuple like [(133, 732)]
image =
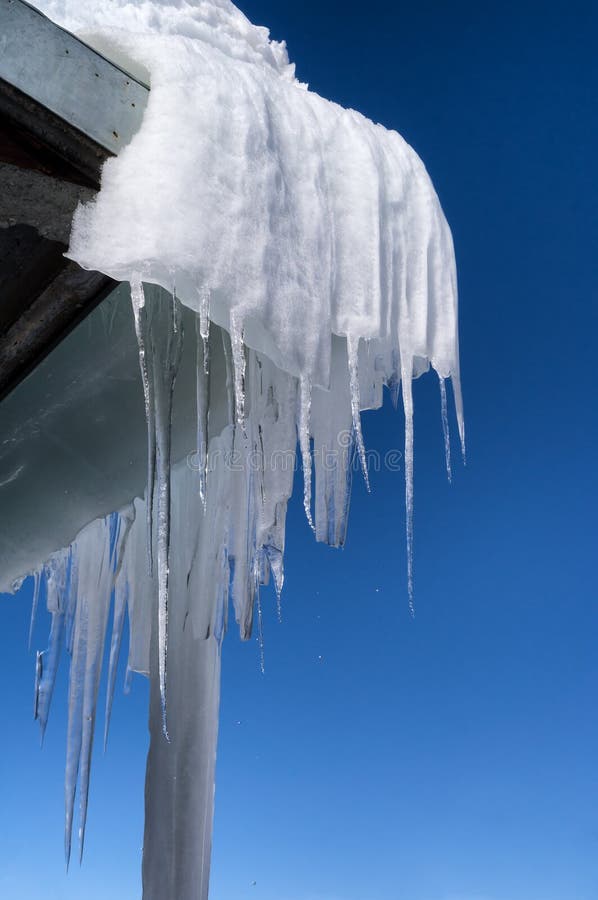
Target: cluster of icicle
[(210, 526), (312, 247)]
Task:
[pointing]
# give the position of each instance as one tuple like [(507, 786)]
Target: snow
[(312, 248)]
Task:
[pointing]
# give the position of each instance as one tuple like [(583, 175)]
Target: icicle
[(445, 427), (48, 668), (230, 377), (128, 681), (239, 364), (456, 381), (258, 576), (145, 364), (406, 387), (352, 352), (275, 561), (163, 543), (394, 380), (71, 602), (94, 552), (203, 394), (39, 669), (34, 604), (159, 380), (165, 374), (304, 419), (260, 632), (204, 325), (120, 604), (55, 574), (121, 594), (73, 740)]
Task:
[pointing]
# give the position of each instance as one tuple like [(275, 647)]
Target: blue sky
[(450, 757)]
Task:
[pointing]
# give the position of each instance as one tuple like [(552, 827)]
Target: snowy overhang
[(64, 109)]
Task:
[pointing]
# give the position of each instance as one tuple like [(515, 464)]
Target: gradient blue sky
[(452, 757)]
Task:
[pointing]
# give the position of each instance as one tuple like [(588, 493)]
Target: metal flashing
[(64, 109)]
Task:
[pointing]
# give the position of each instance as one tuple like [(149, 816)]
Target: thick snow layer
[(300, 218), (313, 240), (106, 24)]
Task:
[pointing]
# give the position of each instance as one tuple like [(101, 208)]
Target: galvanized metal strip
[(59, 71)]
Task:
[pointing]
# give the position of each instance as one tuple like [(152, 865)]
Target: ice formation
[(312, 247)]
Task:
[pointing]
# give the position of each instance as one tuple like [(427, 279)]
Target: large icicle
[(408, 410), (94, 554), (56, 575), (34, 605), (166, 374), (333, 432), (146, 367), (239, 363), (162, 330), (121, 591), (202, 400), (445, 428), (303, 427), (352, 352)]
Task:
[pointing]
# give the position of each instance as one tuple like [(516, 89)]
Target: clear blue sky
[(453, 757)]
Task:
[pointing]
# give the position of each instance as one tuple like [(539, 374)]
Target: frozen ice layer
[(316, 267)]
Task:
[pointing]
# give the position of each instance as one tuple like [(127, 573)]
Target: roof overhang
[(64, 109)]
